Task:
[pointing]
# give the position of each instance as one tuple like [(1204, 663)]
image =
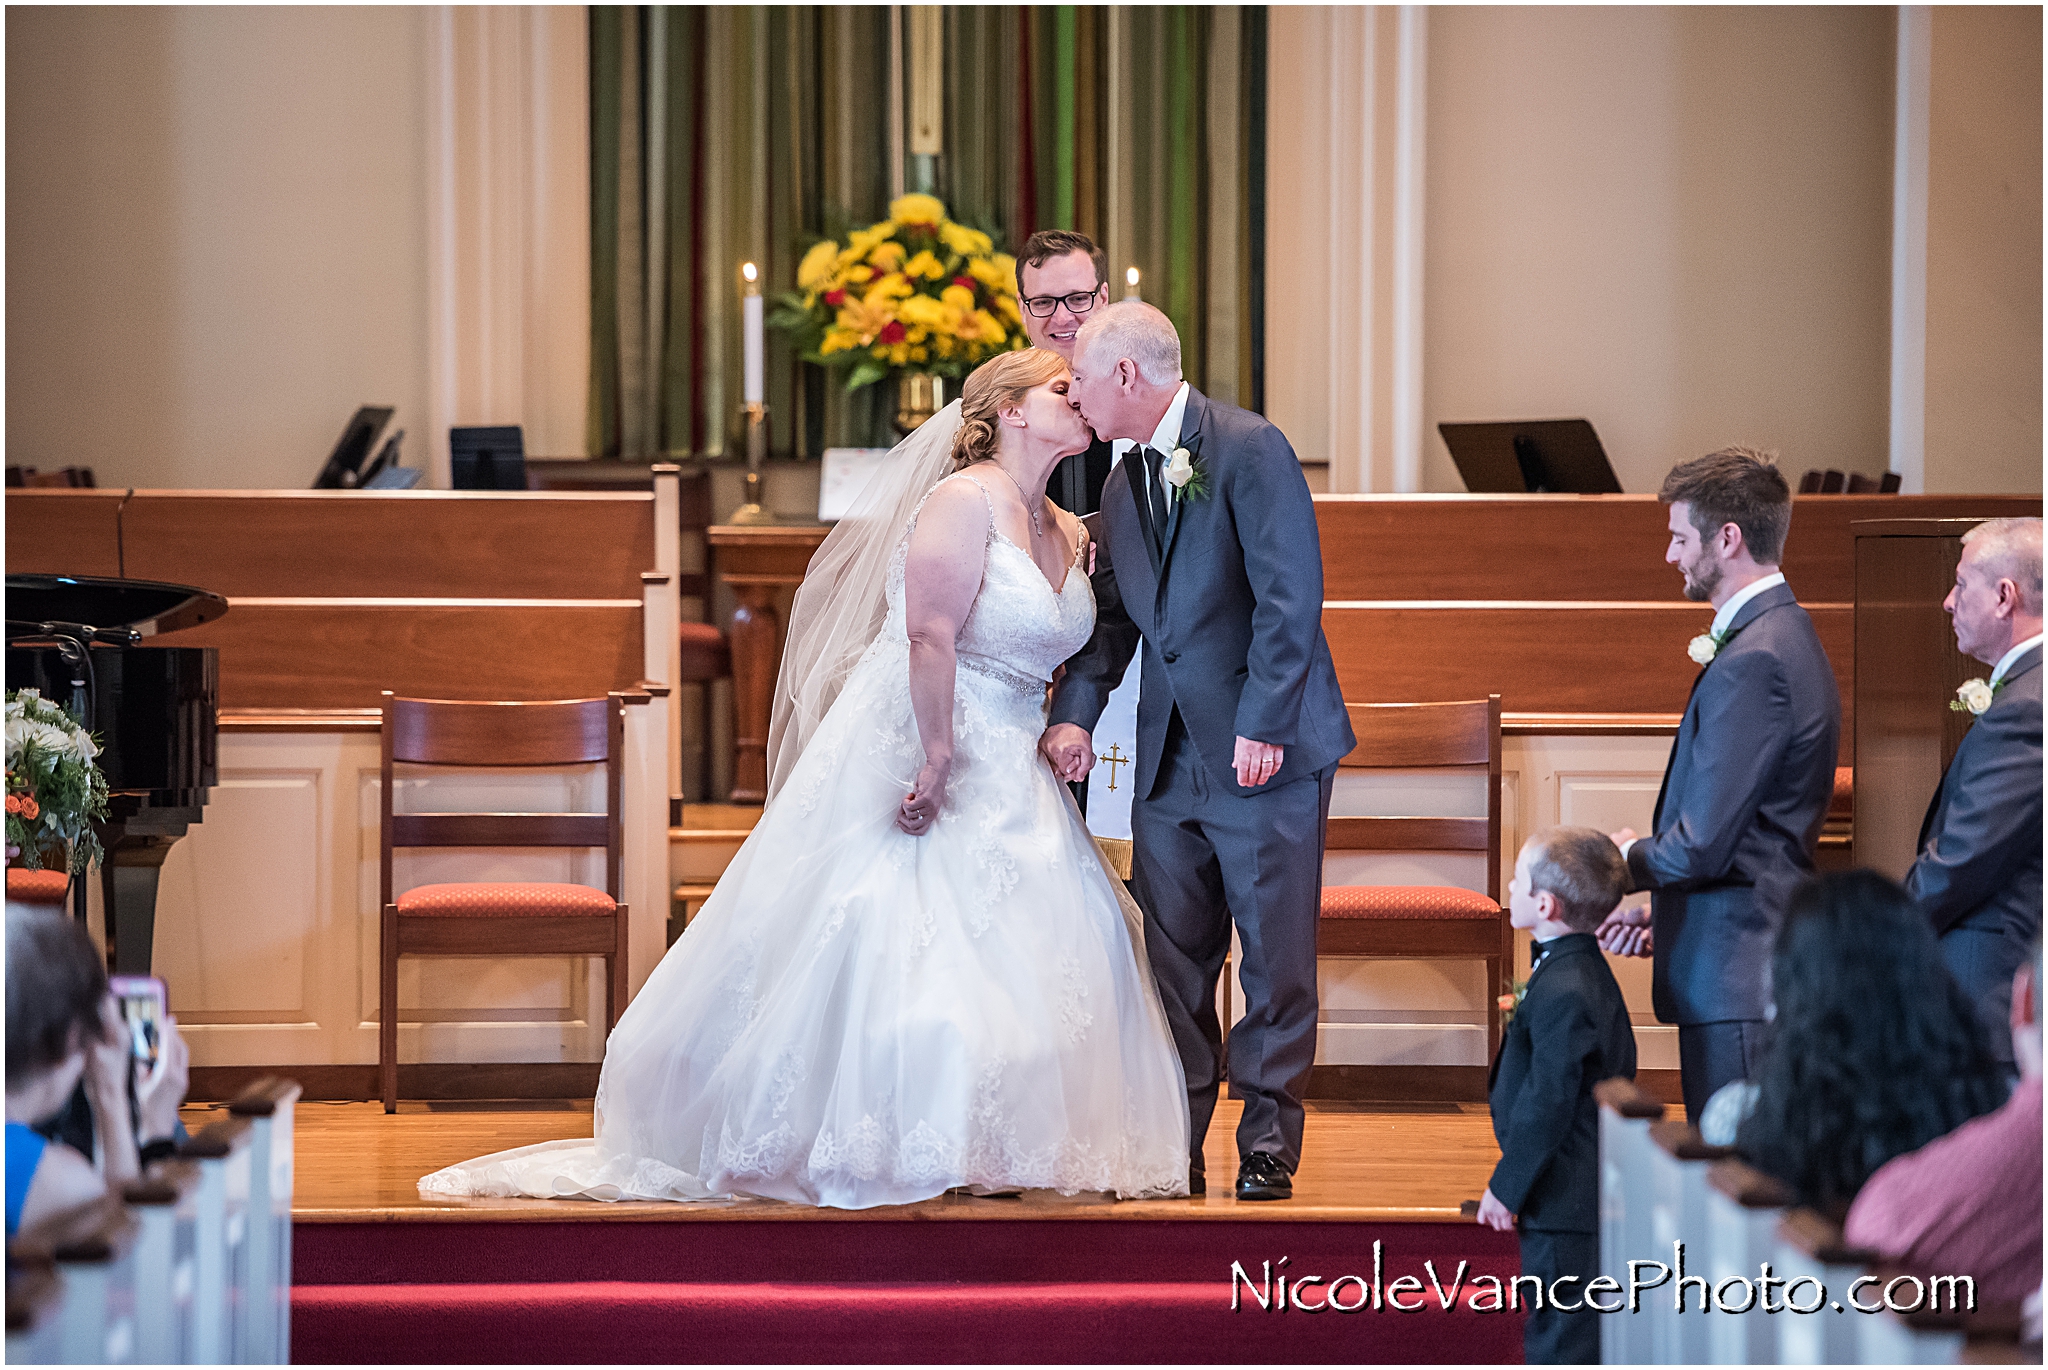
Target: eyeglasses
[(1080, 302)]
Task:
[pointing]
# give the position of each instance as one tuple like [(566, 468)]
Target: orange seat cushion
[(1405, 901), (37, 887), (505, 901)]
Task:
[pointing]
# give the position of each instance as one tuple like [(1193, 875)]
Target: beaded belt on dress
[(1017, 681)]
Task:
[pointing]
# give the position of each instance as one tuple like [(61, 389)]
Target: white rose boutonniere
[(1184, 472), (1707, 646), (1973, 697)]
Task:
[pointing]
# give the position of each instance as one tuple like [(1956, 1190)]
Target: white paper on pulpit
[(1116, 759)]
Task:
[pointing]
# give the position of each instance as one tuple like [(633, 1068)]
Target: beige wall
[(1984, 250), (1674, 222), (216, 238)]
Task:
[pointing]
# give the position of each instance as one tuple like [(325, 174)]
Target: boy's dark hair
[(1048, 243), (1738, 485), (55, 983), (1583, 869)]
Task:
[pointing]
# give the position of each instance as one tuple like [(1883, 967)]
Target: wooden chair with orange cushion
[(500, 919), (1425, 922)]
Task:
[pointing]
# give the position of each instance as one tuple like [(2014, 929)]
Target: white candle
[(754, 383), (1131, 284)]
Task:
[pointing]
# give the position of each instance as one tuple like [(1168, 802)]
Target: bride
[(917, 973)]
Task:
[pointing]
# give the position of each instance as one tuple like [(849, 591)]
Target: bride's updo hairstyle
[(993, 387)]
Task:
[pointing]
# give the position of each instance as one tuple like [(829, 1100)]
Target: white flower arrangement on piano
[(55, 788)]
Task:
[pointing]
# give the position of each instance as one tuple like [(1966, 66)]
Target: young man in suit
[(1060, 283), (1207, 561), (1571, 1032), (1978, 874), (1749, 780)]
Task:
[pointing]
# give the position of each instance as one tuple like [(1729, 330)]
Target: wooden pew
[(337, 595), (1626, 1171), (166, 1204), (221, 1273), (92, 1247), (1582, 547), (35, 1304), (267, 1312)]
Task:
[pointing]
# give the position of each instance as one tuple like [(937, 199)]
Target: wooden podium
[(1907, 671), (758, 561)]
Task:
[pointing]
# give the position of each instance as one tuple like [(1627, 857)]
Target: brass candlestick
[(753, 511)]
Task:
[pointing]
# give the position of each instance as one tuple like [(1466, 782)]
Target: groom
[(1207, 556)]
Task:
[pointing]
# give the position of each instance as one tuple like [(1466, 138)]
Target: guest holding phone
[(64, 1026)]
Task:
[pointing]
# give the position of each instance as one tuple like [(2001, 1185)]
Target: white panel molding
[(1344, 246), (1909, 247), (508, 225)]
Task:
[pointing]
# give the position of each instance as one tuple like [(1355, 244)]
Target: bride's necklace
[(1036, 511)]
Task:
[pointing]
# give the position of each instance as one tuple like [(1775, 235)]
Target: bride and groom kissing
[(918, 974)]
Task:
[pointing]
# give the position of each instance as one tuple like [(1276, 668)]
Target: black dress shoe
[(1261, 1176), (1198, 1185)]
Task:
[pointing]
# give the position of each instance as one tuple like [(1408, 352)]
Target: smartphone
[(144, 1006)]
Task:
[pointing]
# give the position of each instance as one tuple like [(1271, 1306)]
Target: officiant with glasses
[(1060, 282)]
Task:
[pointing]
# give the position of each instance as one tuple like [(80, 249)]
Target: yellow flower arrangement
[(917, 291)]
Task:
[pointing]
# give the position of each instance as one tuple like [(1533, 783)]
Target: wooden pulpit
[(1907, 671), (759, 561)]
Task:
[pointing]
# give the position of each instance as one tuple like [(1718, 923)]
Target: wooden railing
[(191, 1265)]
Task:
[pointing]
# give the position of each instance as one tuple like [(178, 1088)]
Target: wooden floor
[(1385, 1162)]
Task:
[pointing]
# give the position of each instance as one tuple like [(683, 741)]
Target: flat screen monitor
[(487, 458), (353, 450), (1532, 457)]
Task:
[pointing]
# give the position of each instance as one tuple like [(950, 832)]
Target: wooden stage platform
[(380, 1275), (1361, 1162)]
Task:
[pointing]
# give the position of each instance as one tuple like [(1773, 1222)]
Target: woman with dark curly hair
[(1874, 1051)]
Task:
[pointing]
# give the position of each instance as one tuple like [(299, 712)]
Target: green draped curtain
[(722, 134)]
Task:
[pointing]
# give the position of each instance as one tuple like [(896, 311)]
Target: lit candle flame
[(748, 271), (1131, 283)]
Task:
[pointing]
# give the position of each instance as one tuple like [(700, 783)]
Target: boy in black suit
[(1571, 1032)]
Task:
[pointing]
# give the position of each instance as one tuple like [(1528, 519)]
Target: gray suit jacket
[(1231, 617), (1980, 846), (1744, 796)]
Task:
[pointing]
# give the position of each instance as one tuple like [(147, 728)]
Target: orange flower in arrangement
[(55, 788), (916, 293)]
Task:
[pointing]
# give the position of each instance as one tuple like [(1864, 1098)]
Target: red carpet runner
[(877, 1289)]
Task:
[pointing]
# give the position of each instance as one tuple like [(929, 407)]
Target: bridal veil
[(840, 606)]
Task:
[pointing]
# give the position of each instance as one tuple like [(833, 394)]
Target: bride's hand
[(1068, 749), (920, 808)]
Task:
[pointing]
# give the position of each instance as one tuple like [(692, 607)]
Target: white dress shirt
[(1726, 614), (2012, 654), (1165, 438)]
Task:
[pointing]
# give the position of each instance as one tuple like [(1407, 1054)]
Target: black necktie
[(1155, 493)]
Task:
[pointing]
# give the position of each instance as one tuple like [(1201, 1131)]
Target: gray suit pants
[(1203, 858), (1983, 960)]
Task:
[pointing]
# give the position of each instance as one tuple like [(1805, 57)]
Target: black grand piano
[(91, 644)]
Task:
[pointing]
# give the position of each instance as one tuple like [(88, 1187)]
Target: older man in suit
[(1749, 779), (1978, 874), (1207, 563)]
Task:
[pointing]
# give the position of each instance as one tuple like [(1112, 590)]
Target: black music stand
[(487, 458), (1533, 457), (353, 450)]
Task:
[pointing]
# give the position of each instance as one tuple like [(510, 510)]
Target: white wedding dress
[(859, 1017)]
